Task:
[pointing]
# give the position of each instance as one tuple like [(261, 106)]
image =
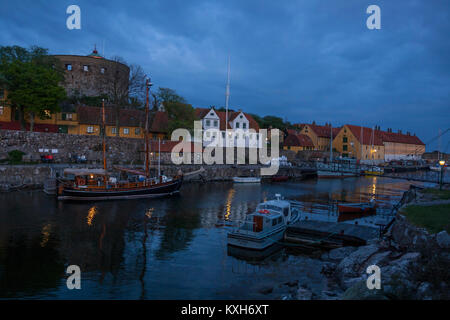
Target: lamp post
[(441, 163)]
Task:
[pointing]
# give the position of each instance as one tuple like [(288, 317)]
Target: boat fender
[(263, 211)]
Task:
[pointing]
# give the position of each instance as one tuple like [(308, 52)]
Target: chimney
[(314, 122)]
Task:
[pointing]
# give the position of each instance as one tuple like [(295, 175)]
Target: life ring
[(263, 211), (81, 182)]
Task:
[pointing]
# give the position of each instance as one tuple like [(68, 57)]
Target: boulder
[(341, 253), (424, 291), (350, 266), (304, 294), (443, 239), (359, 291)]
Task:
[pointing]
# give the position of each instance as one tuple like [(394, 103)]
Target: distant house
[(375, 145), (297, 142), (239, 130), (319, 135)]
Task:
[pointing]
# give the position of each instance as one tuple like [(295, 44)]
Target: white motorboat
[(265, 226), (247, 179)]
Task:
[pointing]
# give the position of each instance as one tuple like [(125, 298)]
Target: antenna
[(227, 96)]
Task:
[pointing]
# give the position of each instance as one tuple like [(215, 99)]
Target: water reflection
[(157, 248)]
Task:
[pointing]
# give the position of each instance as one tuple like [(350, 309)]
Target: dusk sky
[(300, 60)]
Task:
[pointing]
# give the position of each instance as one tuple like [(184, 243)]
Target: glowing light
[(91, 214), (442, 162), (228, 205), (149, 212), (45, 235)]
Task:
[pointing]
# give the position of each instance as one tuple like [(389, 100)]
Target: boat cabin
[(84, 178), (263, 220)]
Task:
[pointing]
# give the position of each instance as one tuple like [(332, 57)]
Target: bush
[(15, 156)]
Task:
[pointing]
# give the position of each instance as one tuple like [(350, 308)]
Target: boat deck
[(330, 234)]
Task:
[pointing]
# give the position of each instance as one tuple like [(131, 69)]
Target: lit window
[(90, 129), (102, 70), (69, 67), (85, 68), (1, 110), (47, 114), (114, 130), (126, 131)]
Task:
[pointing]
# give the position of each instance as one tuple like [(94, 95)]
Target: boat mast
[(331, 144), (147, 149), (362, 142), (159, 158), (227, 98), (104, 134)]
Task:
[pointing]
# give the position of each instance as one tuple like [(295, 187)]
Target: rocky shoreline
[(414, 265)]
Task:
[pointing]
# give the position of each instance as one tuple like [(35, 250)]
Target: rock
[(443, 240), (304, 294), (341, 253), (265, 290), (291, 283), (359, 291), (328, 268), (379, 259), (349, 282), (424, 291), (400, 266), (350, 266)]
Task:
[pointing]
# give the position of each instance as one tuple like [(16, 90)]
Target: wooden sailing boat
[(97, 184)]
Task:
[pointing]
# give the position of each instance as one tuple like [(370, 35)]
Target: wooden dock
[(329, 234)]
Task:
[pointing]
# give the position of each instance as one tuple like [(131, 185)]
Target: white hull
[(334, 174), (255, 242), (247, 180)]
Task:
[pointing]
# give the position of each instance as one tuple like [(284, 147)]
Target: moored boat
[(265, 226), (374, 171), (246, 179), (279, 178), (357, 208)]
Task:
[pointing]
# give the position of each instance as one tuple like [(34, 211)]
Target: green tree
[(32, 79), (181, 115), (166, 95)]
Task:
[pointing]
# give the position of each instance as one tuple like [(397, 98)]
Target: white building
[(241, 130)]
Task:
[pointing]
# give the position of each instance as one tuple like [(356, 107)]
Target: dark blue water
[(171, 248)]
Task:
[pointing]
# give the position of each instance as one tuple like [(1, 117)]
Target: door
[(257, 223)]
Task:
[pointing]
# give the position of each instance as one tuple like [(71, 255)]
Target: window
[(223, 135), (68, 67), (137, 131), (237, 124), (102, 70), (126, 131), (344, 139), (85, 68), (211, 114), (344, 147), (114, 130), (208, 123), (244, 126), (274, 222), (47, 114), (208, 134), (1, 110), (240, 116), (66, 116), (2, 93), (90, 129), (215, 123)]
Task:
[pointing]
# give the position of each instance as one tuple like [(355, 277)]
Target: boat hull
[(158, 190), (280, 178), (246, 180), (355, 209), (334, 174), (249, 241)]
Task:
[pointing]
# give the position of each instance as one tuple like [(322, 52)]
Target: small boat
[(374, 171), (280, 178), (334, 174), (357, 208), (246, 179), (266, 226)]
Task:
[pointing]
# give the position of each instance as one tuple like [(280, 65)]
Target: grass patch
[(434, 218), (440, 194)]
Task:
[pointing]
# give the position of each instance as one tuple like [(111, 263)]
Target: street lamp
[(442, 163)]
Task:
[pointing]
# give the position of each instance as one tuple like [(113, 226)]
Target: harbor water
[(167, 248)]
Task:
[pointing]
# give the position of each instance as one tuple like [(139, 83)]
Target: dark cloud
[(302, 60)]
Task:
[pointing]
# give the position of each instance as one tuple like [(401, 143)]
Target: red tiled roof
[(298, 140), (366, 135), (383, 136), (324, 131), (400, 138), (127, 117), (202, 112)]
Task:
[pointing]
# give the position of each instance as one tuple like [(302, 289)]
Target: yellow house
[(359, 143), (319, 135)]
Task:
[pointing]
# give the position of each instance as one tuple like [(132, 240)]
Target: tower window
[(85, 68), (68, 67)]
